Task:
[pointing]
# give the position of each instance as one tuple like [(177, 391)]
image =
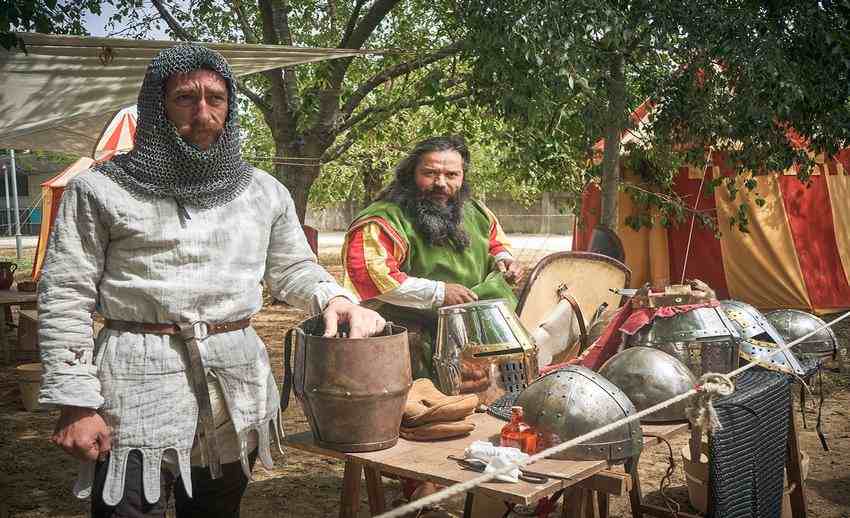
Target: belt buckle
[(198, 330)]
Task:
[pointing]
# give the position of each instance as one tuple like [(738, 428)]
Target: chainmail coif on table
[(162, 164)]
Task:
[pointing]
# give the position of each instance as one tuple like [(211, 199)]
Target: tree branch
[(352, 121), (358, 36), (393, 72), (183, 34), (236, 7), (335, 152), (172, 23), (352, 22)]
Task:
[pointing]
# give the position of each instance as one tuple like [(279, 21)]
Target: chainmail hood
[(164, 165)]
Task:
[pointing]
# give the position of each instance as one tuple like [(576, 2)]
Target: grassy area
[(24, 264)]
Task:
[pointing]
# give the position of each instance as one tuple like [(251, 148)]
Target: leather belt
[(193, 334), (174, 329)]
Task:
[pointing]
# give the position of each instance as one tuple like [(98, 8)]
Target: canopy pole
[(6, 209), (15, 203)]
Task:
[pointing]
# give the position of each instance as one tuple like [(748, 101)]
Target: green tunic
[(472, 267)]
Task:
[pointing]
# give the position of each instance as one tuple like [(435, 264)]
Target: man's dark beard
[(440, 225)]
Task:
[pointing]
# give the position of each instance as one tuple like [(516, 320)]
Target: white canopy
[(61, 93)]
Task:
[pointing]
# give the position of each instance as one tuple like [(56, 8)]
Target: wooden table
[(11, 298), (587, 484)]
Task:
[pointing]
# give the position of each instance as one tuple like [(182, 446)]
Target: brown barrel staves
[(352, 390)]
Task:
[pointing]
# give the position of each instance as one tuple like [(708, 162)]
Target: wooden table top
[(427, 461), (17, 297)]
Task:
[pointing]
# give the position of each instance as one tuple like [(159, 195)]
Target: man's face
[(196, 103), (439, 175)]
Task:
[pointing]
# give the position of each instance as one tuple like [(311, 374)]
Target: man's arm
[(67, 298), (294, 276), (500, 249), (371, 259)]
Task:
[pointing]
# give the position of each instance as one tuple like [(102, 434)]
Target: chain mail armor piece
[(648, 377), (793, 324), (760, 338), (164, 165), (704, 339), (570, 402)]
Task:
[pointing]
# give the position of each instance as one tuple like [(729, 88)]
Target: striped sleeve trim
[(498, 239), (371, 258)]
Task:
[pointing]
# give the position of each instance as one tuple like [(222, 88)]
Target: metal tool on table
[(479, 466), (483, 342)]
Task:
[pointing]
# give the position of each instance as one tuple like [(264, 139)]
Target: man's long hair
[(440, 225)]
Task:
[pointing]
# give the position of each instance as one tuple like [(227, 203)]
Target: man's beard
[(441, 225)]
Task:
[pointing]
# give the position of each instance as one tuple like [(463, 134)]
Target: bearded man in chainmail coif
[(426, 243), (170, 244)]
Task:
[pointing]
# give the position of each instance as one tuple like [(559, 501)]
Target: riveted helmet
[(793, 324), (703, 339), (649, 376), (570, 402), (760, 339)]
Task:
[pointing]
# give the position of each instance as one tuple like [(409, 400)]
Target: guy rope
[(709, 386)]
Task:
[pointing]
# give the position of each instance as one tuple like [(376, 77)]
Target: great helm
[(760, 339), (793, 324), (703, 339), (483, 340), (570, 402), (649, 376)]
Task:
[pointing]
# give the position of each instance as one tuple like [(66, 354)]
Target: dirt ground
[(36, 477)]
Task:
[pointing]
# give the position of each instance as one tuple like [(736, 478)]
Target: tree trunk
[(615, 123), (298, 179), (372, 180)]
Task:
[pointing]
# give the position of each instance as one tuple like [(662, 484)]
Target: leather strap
[(173, 329), (563, 295)]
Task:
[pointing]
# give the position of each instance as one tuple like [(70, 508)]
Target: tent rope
[(694, 215)]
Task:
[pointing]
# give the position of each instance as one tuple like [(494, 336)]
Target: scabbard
[(193, 335)]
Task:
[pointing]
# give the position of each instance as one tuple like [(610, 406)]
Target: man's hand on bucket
[(362, 322), (82, 433)]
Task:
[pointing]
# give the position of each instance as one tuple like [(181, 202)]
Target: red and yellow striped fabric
[(796, 253)]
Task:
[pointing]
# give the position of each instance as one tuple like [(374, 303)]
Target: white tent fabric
[(61, 93)]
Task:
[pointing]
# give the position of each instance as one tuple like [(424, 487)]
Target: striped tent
[(117, 137), (796, 253)]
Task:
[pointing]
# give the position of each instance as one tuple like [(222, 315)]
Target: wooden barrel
[(353, 391)]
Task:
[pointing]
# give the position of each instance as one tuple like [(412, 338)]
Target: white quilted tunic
[(144, 260)]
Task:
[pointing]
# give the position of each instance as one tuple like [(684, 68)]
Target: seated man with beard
[(425, 244)]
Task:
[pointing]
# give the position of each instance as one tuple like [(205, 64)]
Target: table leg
[(4, 340), (635, 496), (350, 503), (799, 508), (575, 503), (467, 505), (602, 500), (375, 488)]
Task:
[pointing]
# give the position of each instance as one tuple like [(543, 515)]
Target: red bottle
[(517, 434)]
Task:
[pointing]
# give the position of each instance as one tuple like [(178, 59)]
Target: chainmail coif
[(164, 165)]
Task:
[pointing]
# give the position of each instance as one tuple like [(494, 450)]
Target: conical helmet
[(570, 402), (793, 324), (648, 377), (760, 338)]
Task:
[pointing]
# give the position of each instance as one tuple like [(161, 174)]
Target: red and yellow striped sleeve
[(372, 255), (498, 240)]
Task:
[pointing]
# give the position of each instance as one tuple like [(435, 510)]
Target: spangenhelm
[(793, 324), (649, 376), (703, 339), (570, 402), (760, 339)]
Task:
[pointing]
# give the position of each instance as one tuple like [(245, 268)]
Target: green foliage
[(46, 16), (731, 76)]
